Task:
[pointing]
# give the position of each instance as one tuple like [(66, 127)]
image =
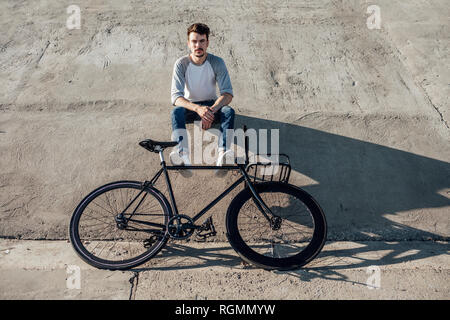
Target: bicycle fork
[(273, 219)]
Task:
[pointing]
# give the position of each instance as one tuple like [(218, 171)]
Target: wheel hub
[(276, 223), (121, 222)]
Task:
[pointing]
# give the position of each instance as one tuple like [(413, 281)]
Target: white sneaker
[(181, 159), (224, 158)]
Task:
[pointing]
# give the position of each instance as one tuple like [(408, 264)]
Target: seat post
[(161, 155)]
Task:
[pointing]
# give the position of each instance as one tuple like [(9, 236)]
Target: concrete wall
[(363, 114)]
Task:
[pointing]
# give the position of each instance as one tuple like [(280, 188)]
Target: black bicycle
[(270, 223)]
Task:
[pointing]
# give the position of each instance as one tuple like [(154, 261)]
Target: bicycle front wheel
[(297, 237), (106, 242)]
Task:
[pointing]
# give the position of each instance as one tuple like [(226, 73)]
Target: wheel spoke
[(283, 239), (100, 239)]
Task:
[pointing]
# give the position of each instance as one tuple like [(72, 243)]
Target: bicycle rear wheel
[(107, 243), (298, 237)]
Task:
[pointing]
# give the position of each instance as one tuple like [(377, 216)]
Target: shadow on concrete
[(329, 265), (357, 184), (175, 256), (371, 253)]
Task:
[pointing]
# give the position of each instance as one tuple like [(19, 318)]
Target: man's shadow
[(361, 187), (359, 183)]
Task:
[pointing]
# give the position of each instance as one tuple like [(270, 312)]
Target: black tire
[(96, 237), (299, 239)]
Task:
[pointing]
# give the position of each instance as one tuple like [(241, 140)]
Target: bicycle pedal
[(206, 230), (207, 225), (148, 243), (201, 237)]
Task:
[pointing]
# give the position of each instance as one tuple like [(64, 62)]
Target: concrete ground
[(204, 271), (363, 113)]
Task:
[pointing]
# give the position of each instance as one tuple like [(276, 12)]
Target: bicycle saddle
[(156, 146)]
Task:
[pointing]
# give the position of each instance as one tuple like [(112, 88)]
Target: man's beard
[(199, 54)]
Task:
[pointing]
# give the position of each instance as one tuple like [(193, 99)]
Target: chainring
[(181, 227)]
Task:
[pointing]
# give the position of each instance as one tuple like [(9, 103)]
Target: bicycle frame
[(245, 177)]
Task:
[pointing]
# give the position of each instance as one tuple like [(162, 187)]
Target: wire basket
[(265, 169)]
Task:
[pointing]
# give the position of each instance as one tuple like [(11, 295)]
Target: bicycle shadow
[(183, 256), (367, 191)]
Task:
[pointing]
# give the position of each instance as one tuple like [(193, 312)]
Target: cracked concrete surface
[(364, 114), (352, 105), (201, 271)]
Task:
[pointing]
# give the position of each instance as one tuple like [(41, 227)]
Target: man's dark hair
[(199, 28)]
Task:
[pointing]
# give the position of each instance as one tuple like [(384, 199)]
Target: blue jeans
[(181, 116)]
